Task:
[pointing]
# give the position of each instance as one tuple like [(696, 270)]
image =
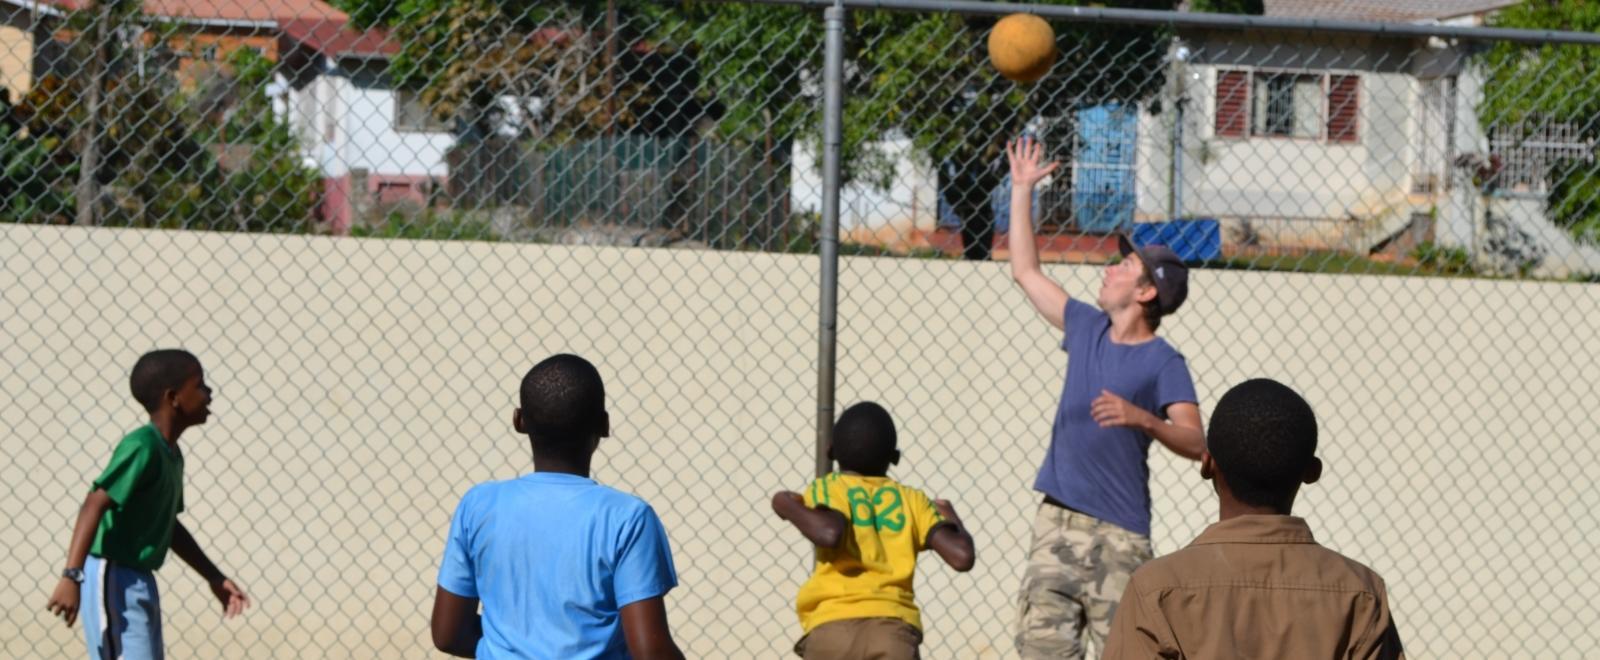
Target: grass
[(1426, 260), (1332, 263), (431, 226)]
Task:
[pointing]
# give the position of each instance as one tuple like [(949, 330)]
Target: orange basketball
[(1022, 47)]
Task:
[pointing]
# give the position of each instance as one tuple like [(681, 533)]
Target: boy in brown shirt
[(1255, 584)]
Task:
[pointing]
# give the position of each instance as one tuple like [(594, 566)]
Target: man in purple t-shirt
[(1124, 386)]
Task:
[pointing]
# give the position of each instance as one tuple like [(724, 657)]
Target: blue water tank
[(1193, 240)]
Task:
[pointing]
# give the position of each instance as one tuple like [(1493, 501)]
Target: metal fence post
[(832, 108)]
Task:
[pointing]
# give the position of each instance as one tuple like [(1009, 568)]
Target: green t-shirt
[(145, 483)]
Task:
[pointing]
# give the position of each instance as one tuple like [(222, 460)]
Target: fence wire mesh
[(1406, 229)]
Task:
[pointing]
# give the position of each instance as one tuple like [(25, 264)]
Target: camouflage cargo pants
[(1077, 568)]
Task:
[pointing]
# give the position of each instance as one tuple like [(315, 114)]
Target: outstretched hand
[(233, 599), (64, 602), (1026, 156)]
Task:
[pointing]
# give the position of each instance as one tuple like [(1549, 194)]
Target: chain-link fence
[(369, 219)]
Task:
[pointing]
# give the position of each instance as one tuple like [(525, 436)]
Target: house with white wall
[(374, 143), (1292, 142), (1348, 142)]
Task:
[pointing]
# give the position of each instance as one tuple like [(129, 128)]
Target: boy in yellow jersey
[(868, 530)]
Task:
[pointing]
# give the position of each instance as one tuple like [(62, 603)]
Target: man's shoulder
[(144, 437), (595, 501), (874, 483), (1165, 350), (896, 483), (1352, 572), (1167, 570), (1089, 316), (612, 498), (1198, 565), (910, 495), (621, 512), (140, 445)]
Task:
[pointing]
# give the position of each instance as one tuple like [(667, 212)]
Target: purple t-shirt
[(1102, 471)]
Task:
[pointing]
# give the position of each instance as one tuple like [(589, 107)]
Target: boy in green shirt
[(130, 520)]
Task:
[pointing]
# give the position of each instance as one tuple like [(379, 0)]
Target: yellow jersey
[(869, 574)]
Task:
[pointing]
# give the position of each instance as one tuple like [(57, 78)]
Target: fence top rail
[(1182, 19)]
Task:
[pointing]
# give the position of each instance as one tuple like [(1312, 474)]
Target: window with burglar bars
[(1288, 105), (1529, 151)]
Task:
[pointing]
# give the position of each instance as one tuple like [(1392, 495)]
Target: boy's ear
[(516, 421), (1208, 468), (894, 459), (1313, 471), (605, 425)]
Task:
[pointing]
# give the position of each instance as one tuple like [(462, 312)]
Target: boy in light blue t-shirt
[(564, 567)]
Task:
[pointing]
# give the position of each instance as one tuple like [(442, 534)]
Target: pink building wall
[(339, 208)]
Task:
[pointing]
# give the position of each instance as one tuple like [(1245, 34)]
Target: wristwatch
[(74, 574)]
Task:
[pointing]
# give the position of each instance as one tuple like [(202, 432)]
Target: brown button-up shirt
[(1254, 587)]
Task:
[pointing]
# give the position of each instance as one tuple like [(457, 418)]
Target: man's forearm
[(823, 527), (184, 545), (1182, 440), (1019, 238), (667, 651), (465, 642)]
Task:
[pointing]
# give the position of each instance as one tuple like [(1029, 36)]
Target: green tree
[(574, 70), (104, 26), (154, 151), (751, 64), (116, 120), (569, 73), (267, 188), (1547, 85), (36, 174)]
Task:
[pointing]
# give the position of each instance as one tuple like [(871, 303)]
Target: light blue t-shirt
[(554, 558), (1102, 471)]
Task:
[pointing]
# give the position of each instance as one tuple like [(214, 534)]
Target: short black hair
[(864, 439), (1262, 438), (1151, 310), (563, 398), (159, 371)]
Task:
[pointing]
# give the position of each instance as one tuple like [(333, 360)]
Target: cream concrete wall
[(364, 385)]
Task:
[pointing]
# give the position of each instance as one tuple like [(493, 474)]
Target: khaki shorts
[(1078, 566), (861, 639)]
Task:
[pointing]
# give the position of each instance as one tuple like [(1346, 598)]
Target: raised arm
[(1027, 168), (824, 527), (951, 540)]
